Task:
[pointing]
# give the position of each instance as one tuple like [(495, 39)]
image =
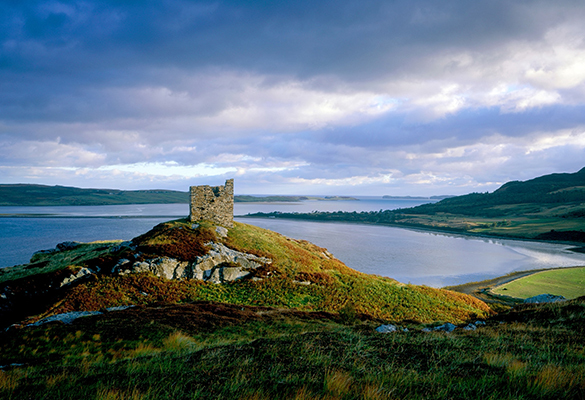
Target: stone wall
[(213, 203)]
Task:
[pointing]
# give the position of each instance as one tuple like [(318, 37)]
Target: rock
[(220, 265), (478, 323), (448, 328), (66, 318), (119, 308), (470, 327), (544, 298), (386, 329), (72, 278), (302, 282), (233, 273), (67, 246), (49, 251), (221, 231), (127, 245)]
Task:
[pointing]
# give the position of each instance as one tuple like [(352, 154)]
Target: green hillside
[(42, 195), (550, 207), (546, 191)]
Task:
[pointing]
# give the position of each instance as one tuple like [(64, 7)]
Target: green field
[(567, 282)]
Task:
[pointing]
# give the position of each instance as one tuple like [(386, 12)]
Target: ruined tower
[(213, 203)]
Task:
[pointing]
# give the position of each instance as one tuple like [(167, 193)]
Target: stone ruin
[(213, 203)]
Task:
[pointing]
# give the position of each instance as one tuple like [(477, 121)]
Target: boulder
[(221, 231), (67, 246), (66, 318), (544, 298), (386, 329), (448, 328)]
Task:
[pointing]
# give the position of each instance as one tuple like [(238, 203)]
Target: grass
[(46, 263), (567, 282), (532, 352)]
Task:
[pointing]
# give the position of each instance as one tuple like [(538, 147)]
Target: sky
[(320, 97)]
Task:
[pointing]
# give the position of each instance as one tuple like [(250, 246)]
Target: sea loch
[(418, 257)]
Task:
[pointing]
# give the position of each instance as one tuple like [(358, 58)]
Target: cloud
[(414, 95)]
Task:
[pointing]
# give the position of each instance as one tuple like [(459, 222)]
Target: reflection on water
[(418, 257)]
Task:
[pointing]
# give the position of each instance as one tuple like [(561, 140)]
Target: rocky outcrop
[(221, 264), (82, 273)]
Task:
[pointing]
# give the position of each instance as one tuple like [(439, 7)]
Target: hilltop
[(534, 196), (179, 261)]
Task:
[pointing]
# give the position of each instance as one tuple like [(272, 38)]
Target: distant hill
[(43, 195), (545, 191), (551, 207), (417, 197)]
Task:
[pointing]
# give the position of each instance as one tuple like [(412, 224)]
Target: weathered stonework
[(213, 203)]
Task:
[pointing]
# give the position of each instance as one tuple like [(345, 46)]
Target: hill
[(179, 262), (550, 207), (43, 195), (517, 197), (191, 311)]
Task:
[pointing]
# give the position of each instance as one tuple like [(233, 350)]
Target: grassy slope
[(214, 351), (540, 208), (170, 348), (569, 283)]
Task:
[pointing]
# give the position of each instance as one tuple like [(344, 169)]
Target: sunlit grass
[(568, 282), (302, 358)]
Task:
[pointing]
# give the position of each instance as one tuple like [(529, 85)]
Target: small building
[(213, 203)]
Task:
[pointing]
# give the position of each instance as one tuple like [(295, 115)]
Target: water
[(423, 257), (418, 257)]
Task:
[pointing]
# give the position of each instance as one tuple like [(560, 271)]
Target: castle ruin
[(213, 203)]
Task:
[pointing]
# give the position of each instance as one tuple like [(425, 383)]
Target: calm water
[(406, 255)]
